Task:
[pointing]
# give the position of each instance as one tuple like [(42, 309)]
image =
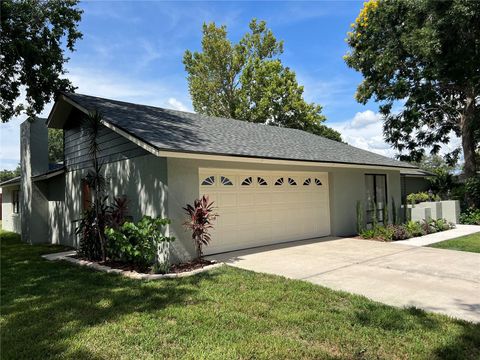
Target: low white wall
[(449, 210)]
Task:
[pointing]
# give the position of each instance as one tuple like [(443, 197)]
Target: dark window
[(318, 182), (376, 195), (16, 201), (86, 195), (291, 181), (307, 181)]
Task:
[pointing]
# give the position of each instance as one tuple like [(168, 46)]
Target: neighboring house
[(269, 184)]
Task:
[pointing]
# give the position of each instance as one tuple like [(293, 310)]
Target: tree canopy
[(424, 56), (32, 53), (9, 174), (55, 145), (247, 81)]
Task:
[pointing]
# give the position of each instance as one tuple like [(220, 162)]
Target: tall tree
[(32, 55), (424, 55), (247, 81)]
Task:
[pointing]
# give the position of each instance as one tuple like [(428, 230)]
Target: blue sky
[(132, 51)]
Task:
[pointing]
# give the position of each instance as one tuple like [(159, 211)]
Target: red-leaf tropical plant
[(201, 216)]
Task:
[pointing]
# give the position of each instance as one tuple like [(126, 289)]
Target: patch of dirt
[(189, 266)]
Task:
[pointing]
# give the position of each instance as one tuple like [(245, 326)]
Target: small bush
[(400, 232), (137, 243), (414, 228), (416, 198), (442, 225), (368, 233), (471, 216), (385, 232)]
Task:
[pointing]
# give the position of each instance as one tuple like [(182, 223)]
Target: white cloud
[(364, 118), (177, 105), (365, 131)]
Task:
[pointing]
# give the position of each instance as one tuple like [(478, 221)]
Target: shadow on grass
[(45, 304), (463, 345)]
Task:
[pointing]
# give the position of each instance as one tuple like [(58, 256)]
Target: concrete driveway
[(437, 280)]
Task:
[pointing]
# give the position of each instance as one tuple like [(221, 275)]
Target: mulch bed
[(189, 266), (174, 269)]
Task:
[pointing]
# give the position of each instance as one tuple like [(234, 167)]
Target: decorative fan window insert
[(279, 181), (209, 181), (291, 181), (247, 181), (318, 182), (261, 181), (307, 181), (225, 181)]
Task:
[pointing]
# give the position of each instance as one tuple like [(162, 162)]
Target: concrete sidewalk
[(460, 230), (437, 280)]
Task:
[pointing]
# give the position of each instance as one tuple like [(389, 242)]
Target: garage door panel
[(254, 214), (226, 199)]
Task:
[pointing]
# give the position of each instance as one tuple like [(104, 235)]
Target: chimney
[(33, 161)]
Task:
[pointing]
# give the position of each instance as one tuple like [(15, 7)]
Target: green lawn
[(58, 310), (465, 243)]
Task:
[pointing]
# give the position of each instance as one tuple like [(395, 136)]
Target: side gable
[(113, 147)]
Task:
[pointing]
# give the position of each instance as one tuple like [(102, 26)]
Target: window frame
[(16, 201), (379, 211)]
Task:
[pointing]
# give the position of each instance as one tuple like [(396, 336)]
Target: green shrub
[(384, 233), (441, 225), (137, 243), (414, 228), (416, 198), (471, 216), (472, 191), (368, 233)]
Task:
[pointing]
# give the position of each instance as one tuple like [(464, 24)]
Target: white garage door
[(260, 208)]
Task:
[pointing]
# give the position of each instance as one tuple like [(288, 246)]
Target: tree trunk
[(467, 123)]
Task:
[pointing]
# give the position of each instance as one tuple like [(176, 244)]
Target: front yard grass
[(58, 310), (469, 243)]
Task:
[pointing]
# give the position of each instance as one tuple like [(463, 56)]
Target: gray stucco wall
[(10, 220), (414, 184), (142, 179), (34, 161), (347, 186)]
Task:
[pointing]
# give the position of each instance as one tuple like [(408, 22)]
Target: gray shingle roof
[(12, 181), (188, 132)]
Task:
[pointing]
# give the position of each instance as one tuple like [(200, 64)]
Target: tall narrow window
[(16, 201), (376, 195), (86, 196)]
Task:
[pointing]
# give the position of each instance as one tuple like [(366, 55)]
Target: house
[(269, 184)]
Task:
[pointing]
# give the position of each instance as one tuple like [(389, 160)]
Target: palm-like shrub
[(201, 216)]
